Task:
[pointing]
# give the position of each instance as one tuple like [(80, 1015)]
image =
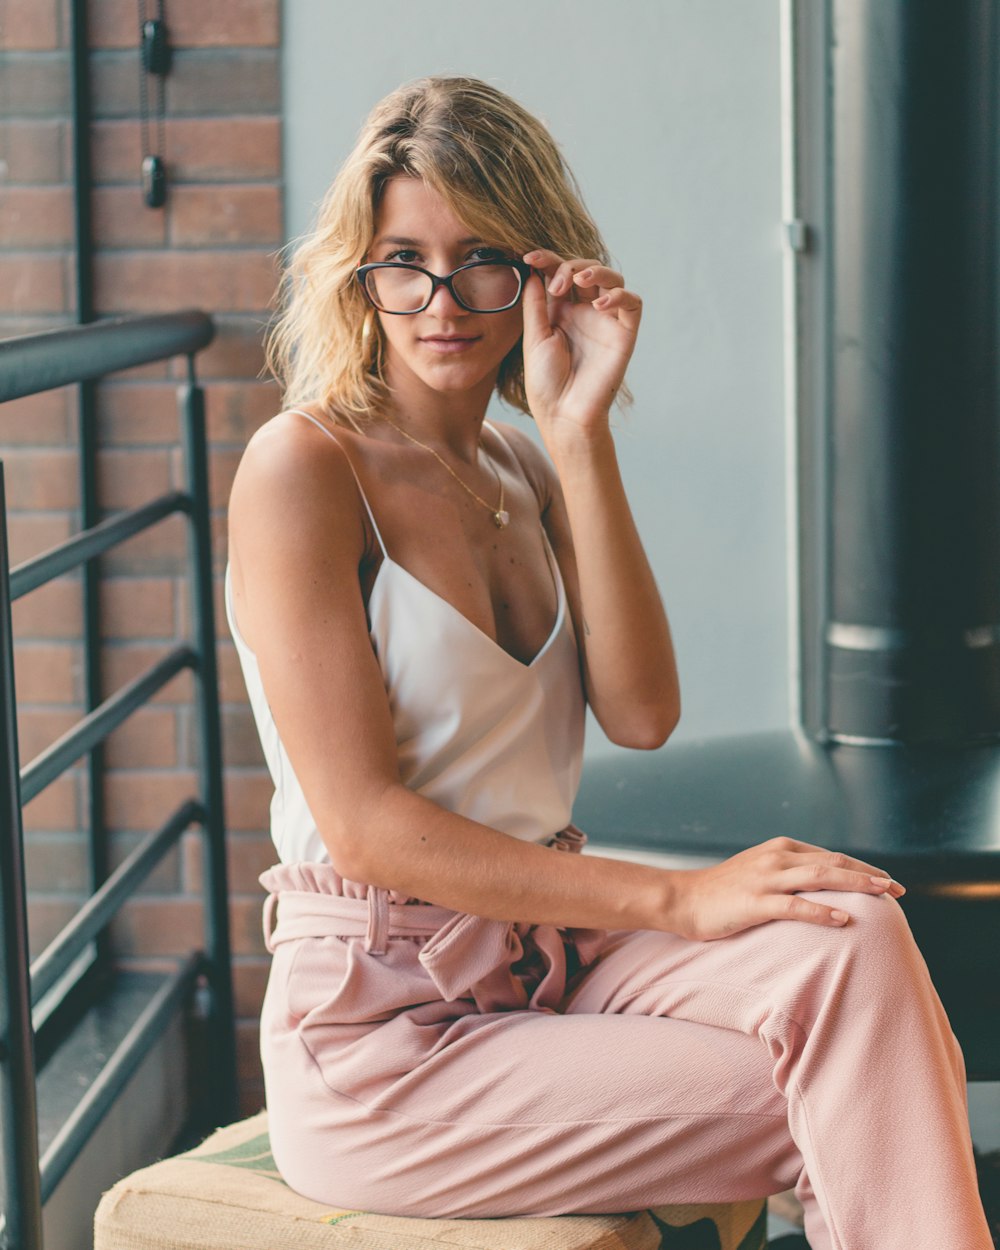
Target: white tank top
[(477, 731)]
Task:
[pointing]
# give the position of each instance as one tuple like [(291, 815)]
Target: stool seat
[(226, 1194)]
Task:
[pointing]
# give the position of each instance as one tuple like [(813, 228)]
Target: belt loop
[(270, 903), (377, 937)]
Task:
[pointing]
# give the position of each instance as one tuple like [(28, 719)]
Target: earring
[(368, 338)]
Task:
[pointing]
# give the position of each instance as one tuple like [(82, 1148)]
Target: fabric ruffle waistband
[(307, 900)]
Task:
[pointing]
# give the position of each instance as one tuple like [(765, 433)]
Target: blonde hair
[(500, 172)]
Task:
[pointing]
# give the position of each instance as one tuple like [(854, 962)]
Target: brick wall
[(212, 246)]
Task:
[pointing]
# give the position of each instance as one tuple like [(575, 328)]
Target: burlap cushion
[(227, 1195)]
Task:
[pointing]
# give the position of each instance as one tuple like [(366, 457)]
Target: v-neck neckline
[(560, 590)]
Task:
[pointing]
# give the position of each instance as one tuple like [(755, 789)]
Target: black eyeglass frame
[(524, 271)]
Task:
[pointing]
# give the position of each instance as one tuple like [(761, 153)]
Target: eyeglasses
[(484, 286)]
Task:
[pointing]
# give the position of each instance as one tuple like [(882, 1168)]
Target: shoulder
[(533, 462), (294, 479)]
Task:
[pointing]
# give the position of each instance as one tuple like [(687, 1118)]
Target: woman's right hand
[(764, 883)]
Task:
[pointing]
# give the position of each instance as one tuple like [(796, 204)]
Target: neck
[(449, 421)]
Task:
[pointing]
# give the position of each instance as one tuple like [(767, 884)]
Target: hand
[(763, 883), (578, 338)]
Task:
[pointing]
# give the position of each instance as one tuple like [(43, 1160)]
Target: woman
[(459, 1021)]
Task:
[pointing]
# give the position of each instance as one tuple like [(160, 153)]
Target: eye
[(488, 253), (405, 256)]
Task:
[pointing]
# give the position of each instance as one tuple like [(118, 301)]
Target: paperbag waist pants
[(427, 1063)]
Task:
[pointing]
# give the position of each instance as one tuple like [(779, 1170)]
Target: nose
[(444, 306)]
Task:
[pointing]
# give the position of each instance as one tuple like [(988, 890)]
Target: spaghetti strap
[(361, 490)]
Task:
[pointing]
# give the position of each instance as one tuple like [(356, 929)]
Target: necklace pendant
[(501, 519)]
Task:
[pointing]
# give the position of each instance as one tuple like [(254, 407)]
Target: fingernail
[(885, 882), (556, 286), (839, 917), (585, 274), (600, 301)]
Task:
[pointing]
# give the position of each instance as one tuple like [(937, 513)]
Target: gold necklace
[(501, 518)]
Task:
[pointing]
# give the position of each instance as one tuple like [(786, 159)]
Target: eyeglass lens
[(483, 288)]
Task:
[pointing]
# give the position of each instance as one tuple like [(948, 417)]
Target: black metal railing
[(27, 366)]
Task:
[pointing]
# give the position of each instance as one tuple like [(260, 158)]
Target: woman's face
[(444, 347)]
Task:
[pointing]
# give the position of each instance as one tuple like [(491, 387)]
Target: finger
[(625, 305), (592, 279), (820, 876), (794, 907), (838, 860), (544, 260), (534, 307)]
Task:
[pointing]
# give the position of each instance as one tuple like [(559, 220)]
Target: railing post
[(222, 1030), (22, 1229)]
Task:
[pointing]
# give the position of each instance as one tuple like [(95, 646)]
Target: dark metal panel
[(913, 642)]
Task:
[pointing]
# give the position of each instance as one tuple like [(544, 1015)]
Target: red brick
[(224, 80), (221, 471), (248, 800), (33, 151), (36, 419), (247, 856), (138, 607), (142, 799), (160, 550), (54, 610), (201, 215), (248, 1050), (192, 23), (48, 672), (124, 662), (159, 926), (123, 219), (30, 24), (47, 917), (232, 687), (240, 740), (127, 479), (36, 217), (197, 149), (244, 925), (56, 808), (41, 479), (237, 351), (148, 739), (56, 863), (249, 984), (234, 410), (38, 728), (36, 84), (114, 83), (30, 535), (33, 282), (153, 282), (130, 413), (165, 877)]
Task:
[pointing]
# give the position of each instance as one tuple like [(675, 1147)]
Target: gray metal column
[(913, 635)]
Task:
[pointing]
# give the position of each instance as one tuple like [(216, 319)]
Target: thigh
[(531, 1113)]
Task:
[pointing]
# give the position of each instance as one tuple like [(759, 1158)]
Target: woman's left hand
[(579, 334)]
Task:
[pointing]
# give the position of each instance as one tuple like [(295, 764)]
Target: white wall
[(668, 111)]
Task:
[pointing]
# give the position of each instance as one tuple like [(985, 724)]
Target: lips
[(447, 343)]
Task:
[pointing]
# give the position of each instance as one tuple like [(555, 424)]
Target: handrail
[(28, 365), (40, 362)]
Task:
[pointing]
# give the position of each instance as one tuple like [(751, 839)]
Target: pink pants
[(427, 1063)]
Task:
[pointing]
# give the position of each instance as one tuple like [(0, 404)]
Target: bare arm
[(297, 540)]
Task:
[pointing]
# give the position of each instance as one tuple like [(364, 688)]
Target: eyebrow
[(406, 242)]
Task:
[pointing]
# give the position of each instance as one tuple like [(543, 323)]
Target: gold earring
[(368, 337)]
